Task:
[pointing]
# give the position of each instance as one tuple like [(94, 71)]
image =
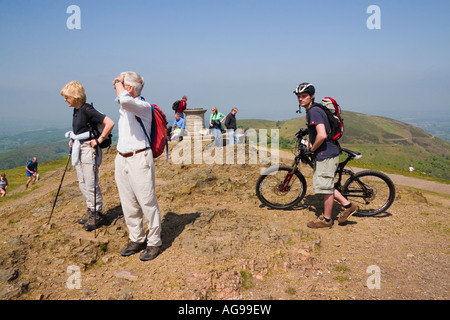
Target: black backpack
[(96, 129), (175, 105), (30, 165)]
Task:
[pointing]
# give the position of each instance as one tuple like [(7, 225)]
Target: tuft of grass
[(341, 278), (291, 291), (341, 268), (246, 279)]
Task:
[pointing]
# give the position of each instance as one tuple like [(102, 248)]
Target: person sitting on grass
[(3, 185)]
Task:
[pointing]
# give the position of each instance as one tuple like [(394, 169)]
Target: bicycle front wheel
[(278, 188), (372, 191)]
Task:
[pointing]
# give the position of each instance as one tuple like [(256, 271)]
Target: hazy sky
[(237, 53)]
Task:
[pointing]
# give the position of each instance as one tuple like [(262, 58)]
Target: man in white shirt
[(135, 169)]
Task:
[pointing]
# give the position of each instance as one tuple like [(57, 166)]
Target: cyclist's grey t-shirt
[(329, 148)]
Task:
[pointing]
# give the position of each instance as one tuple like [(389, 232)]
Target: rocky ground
[(220, 243)]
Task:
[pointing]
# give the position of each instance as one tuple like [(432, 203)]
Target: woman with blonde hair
[(85, 152)]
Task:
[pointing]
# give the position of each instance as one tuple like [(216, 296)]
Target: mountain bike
[(283, 187)]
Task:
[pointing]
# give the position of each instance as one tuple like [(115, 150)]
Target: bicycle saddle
[(354, 154)]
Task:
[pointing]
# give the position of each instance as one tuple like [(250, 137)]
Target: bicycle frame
[(363, 193), (289, 186)]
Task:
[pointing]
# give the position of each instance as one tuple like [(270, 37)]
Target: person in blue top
[(31, 170), (178, 127), (326, 154)]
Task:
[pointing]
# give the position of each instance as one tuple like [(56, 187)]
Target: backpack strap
[(145, 131), (153, 129), (89, 125), (148, 138), (142, 126), (324, 109)]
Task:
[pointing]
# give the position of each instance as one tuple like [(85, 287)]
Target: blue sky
[(246, 54)]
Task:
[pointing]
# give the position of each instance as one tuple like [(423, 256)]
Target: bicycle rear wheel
[(372, 191), (277, 190)]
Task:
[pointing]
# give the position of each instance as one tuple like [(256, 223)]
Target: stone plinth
[(195, 120)]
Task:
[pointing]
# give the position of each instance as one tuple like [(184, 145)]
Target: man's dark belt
[(130, 154)]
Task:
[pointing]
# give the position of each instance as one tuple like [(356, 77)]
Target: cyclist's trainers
[(347, 213), (320, 222)]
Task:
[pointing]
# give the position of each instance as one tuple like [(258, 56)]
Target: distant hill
[(31, 138), (382, 141), (440, 129), (46, 144)]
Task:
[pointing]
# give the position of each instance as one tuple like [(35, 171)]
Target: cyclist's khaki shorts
[(323, 178)]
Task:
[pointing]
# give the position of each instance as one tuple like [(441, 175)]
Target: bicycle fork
[(285, 185)]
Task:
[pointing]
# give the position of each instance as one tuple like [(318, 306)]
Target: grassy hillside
[(382, 141), (17, 177)]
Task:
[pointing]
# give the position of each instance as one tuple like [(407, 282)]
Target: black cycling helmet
[(305, 87)]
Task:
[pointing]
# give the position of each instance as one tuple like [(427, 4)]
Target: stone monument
[(195, 120)]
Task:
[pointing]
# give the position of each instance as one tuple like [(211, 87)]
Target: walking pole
[(95, 189), (95, 178), (60, 185)]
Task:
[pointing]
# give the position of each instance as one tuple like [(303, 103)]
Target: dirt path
[(396, 178), (420, 184)]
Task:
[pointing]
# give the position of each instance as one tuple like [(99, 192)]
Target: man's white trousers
[(135, 179)]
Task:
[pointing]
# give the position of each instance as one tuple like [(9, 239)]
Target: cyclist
[(326, 159)]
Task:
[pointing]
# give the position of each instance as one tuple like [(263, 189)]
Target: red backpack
[(333, 111), (159, 133), (158, 137)]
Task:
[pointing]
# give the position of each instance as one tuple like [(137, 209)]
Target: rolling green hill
[(46, 144), (382, 141)]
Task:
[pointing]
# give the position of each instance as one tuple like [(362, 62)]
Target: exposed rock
[(8, 275), (126, 274), (13, 291)]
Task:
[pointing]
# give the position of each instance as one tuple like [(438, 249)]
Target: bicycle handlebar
[(301, 133), (306, 159)]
